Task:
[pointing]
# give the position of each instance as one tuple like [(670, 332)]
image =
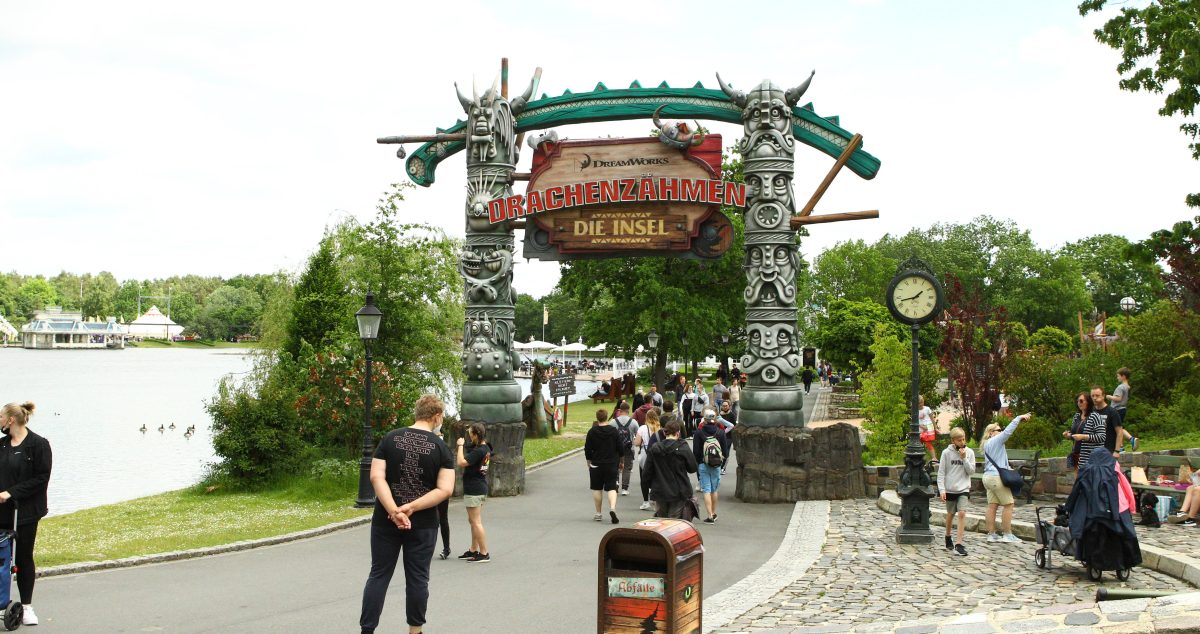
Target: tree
[(319, 304), (887, 394), (1109, 274), (1055, 340), (566, 318), (35, 295), (852, 270), (69, 289), (229, 312), (413, 269), (528, 321), (846, 331), (99, 293), (1160, 47), (1179, 248)]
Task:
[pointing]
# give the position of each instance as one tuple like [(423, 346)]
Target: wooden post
[(837, 166), (799, 221)]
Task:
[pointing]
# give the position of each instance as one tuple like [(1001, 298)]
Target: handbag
[(1185, 471), (1008, 477)]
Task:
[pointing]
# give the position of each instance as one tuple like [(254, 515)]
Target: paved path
[(864, 577), (542, 577)]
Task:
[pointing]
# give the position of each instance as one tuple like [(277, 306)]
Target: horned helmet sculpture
[(677, 135), (762, 101)]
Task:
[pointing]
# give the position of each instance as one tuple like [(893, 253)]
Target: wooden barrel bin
[(650, 578)]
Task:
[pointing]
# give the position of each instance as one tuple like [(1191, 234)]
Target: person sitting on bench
[(601, 391)]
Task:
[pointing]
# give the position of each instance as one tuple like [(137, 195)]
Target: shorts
[(710, 478), (603, 477), (956, 503), (997, 493), (473, 501)]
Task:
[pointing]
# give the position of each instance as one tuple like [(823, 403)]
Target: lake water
[(91, 404)]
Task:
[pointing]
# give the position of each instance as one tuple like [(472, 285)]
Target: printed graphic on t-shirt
[(409, 486)]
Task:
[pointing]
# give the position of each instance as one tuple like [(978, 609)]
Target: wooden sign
[(624, 197), (562, 385)]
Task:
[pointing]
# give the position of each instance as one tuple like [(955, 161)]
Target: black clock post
[(915, 298)]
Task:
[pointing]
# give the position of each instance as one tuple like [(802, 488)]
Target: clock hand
[(906, 299)]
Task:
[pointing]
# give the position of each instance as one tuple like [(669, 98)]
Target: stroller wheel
[(1094, 573), (12, 615), (1039, 557), (1123, 574)]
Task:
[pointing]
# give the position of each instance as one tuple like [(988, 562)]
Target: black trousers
[(26, 571), (444, 519), (388, 543)]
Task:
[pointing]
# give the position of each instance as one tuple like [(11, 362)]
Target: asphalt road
[(542, 577)]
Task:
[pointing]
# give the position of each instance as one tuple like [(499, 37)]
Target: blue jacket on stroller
[(1104, 536)]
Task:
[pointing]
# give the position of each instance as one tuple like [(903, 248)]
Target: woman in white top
[(642, 443), (928, 430)]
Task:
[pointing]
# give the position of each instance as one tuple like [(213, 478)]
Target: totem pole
[(489, 393), (771, 398)]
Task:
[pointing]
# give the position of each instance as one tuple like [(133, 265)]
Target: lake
[(91, 404)]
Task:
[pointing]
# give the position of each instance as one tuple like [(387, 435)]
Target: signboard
[(636, 587), (562, 385), (624, 197)]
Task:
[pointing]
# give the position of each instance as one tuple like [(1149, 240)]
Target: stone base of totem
[(772, 407), (506, 469), (789, 463)]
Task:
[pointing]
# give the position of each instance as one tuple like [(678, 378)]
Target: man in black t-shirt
[(412, 472), (1108, 416)]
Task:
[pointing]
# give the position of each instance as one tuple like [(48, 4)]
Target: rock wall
[(787, 464)]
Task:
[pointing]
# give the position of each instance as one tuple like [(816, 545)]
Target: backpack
[(713, 456), (1147, 508), (624, 435)]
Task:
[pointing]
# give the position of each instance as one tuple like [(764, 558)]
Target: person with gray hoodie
[(954, 482)]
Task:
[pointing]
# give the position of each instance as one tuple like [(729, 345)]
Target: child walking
[(954, 482)]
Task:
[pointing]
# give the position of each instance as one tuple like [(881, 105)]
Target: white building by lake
[(54, 328), (154, 325)]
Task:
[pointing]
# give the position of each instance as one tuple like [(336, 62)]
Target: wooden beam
[(799, 221), (517, 224), (423, 138), (504, 77), (837, 166), (522, 176)]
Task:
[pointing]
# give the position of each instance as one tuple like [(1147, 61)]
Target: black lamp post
[(368, 318), (652, 339)]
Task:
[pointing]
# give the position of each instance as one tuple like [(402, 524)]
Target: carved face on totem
[(490, 136), (771, 352), (771, 270), (767, 119)]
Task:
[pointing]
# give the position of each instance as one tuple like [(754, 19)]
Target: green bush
[(1174, 417), (1053, 338), (255, 429), (1036, 433), (885, 397)]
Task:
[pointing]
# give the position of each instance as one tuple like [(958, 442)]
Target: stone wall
[(787, 464), (1054, 477)]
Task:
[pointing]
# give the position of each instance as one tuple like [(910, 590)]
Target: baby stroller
[(1105, 538), (13, 611), (1053, 536)]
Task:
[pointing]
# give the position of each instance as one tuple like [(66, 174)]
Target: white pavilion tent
[(154, 325)]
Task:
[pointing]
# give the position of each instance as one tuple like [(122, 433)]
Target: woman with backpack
[(644, 435), (710, 446)]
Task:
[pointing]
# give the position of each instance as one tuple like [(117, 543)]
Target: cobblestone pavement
[(864, 577), (1181, 539)]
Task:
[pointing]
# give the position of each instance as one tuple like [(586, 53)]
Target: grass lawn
[(185, 519), (197, 345)]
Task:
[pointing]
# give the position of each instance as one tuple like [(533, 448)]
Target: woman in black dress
[(25, 461)]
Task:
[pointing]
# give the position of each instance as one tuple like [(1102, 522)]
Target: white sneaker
[(29, 617), (992, 537), (624, 491), (1009, 538), (597, 517), (644, 507)]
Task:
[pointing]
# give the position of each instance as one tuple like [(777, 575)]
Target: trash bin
[(650, 578)]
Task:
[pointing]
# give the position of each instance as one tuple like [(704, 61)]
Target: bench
[(1024, 461), (1165, 464)]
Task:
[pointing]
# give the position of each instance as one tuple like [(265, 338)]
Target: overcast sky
[(153, 138)]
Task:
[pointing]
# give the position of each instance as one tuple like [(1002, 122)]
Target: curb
[(798, 551), (1168, 562), (179, 555)]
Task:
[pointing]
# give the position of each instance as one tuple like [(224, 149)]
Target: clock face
[(915, 297)]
